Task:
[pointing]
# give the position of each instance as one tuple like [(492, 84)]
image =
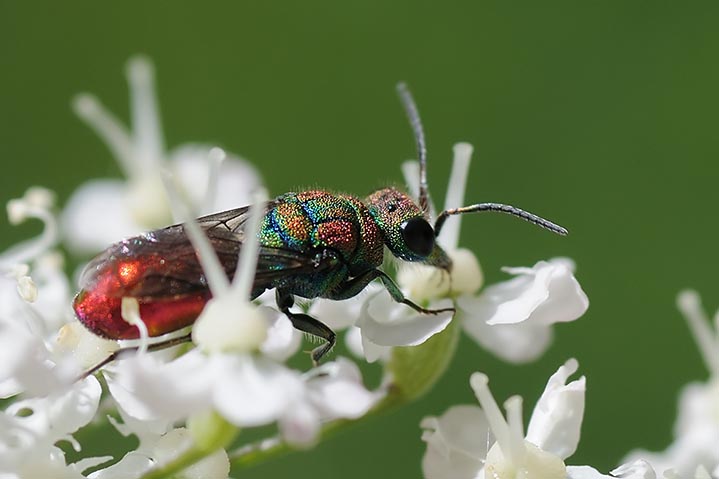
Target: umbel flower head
[(236, 377)]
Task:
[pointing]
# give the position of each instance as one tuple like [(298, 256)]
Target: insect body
[(313, 244)]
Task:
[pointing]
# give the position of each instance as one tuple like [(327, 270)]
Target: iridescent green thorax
[(319, 219)]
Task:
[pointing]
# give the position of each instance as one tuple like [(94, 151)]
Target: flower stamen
[(689, 305), (130, 312), (449, 237), (117, 138), (499, 426), (147, 130), (36, 203)]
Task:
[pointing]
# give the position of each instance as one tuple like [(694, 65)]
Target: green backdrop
[(599, 115)]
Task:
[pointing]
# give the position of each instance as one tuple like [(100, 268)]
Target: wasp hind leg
[(307, 324)]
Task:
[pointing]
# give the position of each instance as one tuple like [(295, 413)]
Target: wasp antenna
[(410, 108), (501, 208)]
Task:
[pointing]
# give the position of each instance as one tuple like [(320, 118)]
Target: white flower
[(34, 304), (31, 428), (383, 325), (103, 211), (513, 319), (160, 444), (696, 431), (247, 390), (459, 445)]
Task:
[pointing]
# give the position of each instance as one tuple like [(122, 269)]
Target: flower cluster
[(186, 406), (460, 443)]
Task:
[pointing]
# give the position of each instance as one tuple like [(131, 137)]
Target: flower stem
[(185, 460), (210, 432), (262, 451)]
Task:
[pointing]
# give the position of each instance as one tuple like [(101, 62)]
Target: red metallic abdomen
[(166, 303)]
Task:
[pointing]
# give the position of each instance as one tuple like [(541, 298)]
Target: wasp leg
[(307, 324), (121, 352), (358, 283)]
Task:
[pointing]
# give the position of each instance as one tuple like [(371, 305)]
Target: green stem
[(260, 452), (210, 432), (186, 459)]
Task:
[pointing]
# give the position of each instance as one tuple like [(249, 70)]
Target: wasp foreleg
[(307, 324), (355, 285)]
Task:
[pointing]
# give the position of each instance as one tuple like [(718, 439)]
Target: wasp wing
[(167, 264)]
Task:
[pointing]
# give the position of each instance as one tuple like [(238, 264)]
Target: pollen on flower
[(17, 211), (27, 289), (425, 283), (512, 456), (87, 349)]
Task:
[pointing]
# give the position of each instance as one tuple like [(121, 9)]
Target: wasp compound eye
[(418, 235)]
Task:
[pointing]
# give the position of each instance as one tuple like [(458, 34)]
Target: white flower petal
[(386, 323), (336, 390), (340, 315), (547, 294), (300, 425), (516, 343), (150, 390), (70, 411), (56, 417), (97, 215), (353, 341), (236, 179), (557, 418), (585, 472), (26, 365), (635, 470), (131, 466), (457, 443), (282, 341), (698, 407), (373, 352), (253, 391)]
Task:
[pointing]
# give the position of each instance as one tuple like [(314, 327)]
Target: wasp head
[(406, 231)]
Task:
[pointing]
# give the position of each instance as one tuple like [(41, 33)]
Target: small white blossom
[(159, 444), (211, 180), (30, 430), (696, 431), (34, 304), (514, 319), (459, 443)]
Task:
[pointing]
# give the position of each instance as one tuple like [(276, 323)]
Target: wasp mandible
[(313, 244)]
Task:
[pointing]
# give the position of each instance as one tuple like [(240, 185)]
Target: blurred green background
[(599, 115)]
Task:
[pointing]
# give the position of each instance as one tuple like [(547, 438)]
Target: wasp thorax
[(406, 231)]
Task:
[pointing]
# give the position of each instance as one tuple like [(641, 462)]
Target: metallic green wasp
[(313, 244)]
